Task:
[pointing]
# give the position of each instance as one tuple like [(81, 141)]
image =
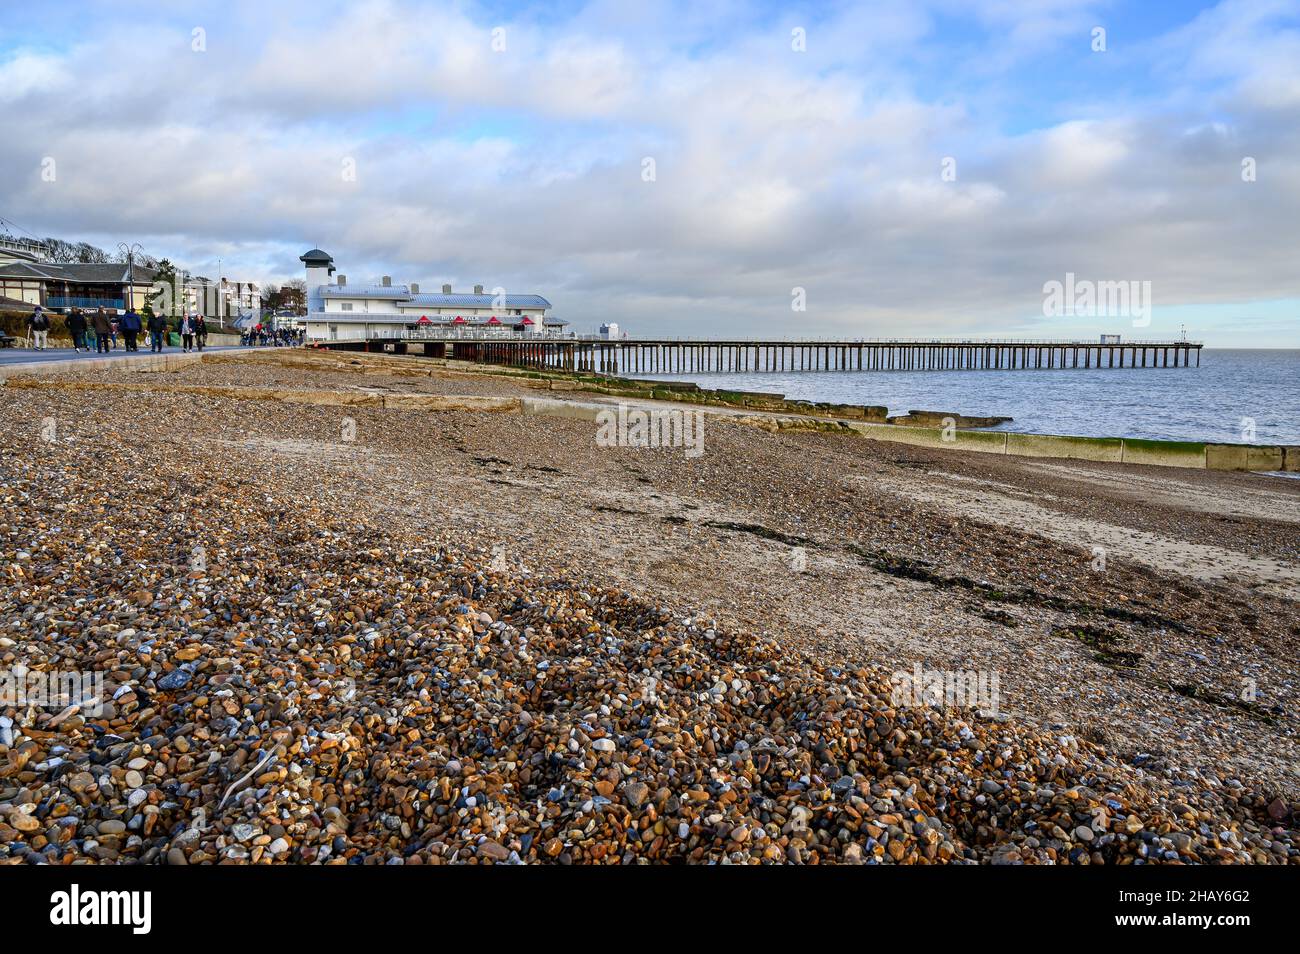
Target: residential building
[(20, 249), (223, 301)]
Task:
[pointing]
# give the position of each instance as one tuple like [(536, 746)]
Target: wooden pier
[(676, 356)]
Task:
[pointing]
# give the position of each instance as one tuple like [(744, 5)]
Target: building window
[(346, 306)]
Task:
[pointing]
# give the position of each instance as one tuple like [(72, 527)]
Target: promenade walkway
[(10, 356)]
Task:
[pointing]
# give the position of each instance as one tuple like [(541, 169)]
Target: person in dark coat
[(103, 328), (76, 323), (200, 331), (130, 326), (157, 331)]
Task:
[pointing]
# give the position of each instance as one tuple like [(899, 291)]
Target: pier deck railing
[(489, 335), (707, 355)]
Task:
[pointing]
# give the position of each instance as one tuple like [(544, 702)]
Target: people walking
[(200, 331), (38, 328), (131, 326), (186, 328), (103, 328), (157, 332), (76, 322)]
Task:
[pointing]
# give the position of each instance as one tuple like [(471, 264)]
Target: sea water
[(1235, 396)]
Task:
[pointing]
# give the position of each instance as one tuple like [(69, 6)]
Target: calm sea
[(1214, 402)]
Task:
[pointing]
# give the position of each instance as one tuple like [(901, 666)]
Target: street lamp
[(129, 251)]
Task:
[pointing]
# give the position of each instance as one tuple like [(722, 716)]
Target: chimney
[(343, 279), (415, 289), (478, 289), (446, 289), (388, 281)]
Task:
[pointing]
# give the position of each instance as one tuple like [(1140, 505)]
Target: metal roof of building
[(366, 291), (391, 317), (403, 295), (78, 272), (480, 301), (29, 270)]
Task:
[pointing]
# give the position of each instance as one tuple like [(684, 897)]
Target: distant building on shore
[(223, 301), (338, 311), (22, 249), (111, 285), (28, 278)]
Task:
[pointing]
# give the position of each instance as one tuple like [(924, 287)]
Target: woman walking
[(187, 333)]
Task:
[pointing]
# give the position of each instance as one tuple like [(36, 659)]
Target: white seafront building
[(338, 311)]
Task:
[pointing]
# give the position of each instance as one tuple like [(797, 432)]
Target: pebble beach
[(347, 635)]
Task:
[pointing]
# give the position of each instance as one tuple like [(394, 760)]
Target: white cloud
[(774, 168), (27, 73)]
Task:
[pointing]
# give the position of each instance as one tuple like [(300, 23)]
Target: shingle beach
[(348, 634)]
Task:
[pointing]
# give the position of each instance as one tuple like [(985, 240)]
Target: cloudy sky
[(914, 168)]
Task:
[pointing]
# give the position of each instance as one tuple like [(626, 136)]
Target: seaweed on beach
[(605, 508), (760, 531), (922, 572), (1222, 700), (999, 616), (1104, 644)]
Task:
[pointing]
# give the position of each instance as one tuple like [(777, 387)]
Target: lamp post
[(129, 251)]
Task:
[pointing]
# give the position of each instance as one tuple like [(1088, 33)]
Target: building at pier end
[(341, 311)]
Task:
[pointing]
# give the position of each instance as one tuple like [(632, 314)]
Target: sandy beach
[(1162, 687)]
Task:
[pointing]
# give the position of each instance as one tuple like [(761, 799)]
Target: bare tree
[(147, 261), (91, 254), (63, 253)]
